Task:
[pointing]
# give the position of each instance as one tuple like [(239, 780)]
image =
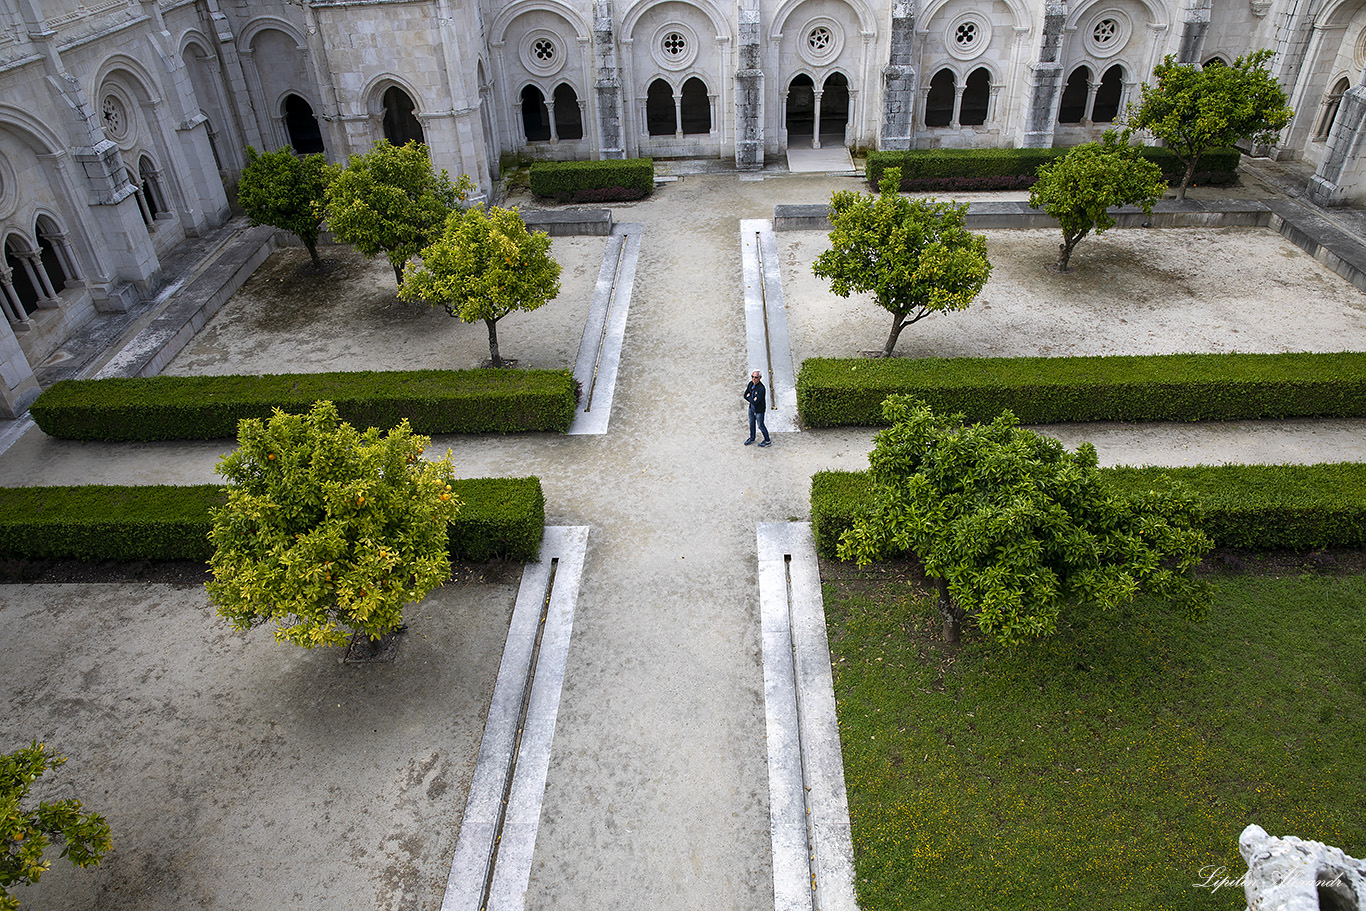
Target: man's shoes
[(765, 443), (750, 440)]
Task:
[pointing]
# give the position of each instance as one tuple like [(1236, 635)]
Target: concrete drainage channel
[(813, 853), (766, 337), (492, 863), (605, 330)]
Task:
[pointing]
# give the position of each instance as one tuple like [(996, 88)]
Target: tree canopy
[(1194, 109), (328, 530), (286, 191), (390, 201), (1078, 188), (485, 265), (914, 256), (1014, 528), (26, 834)]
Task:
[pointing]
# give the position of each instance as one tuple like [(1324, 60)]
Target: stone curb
[(605, 331), (766, 336), (492, 863), (813, 853)]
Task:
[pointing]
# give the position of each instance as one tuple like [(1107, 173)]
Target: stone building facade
[(122, 122)]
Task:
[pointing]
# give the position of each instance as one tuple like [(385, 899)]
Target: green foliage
[(25, 834), (952, 170), (502, 518), (1194, 109), (95, 522), (1016, 528), (390, 201), (1044, 390), (485, 265), (286, 191), (1298, 508), (1078, 188), (914, 256), (594, 181), (328, 528), (210, 407)]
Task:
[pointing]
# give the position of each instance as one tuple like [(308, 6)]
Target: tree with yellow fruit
[(328, 531), (485, 265)]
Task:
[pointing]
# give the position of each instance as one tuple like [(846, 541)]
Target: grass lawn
[(1106, 768)]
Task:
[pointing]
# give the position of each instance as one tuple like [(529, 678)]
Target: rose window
[(115, 119), (966, 34), (820, 40), (675, 45), (544, 49), (1105, 32)]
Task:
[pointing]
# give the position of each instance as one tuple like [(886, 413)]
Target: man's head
[(756, 376)]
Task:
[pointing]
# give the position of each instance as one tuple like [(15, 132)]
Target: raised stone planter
[(566, 222)]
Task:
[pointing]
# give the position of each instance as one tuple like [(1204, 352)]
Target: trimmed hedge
[(209, 407), (1014, 169), (594, 181), (1042, 390), (1247, 507), (501, 517), (1271, 507)]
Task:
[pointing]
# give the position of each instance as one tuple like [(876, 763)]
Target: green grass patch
[(1106, 768), (209, 407), (838, 392)]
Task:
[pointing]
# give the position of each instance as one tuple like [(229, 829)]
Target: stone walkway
[(657, 793)]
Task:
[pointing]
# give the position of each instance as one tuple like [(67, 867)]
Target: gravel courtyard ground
[(239, 773), (289, 319), (1130, 291)]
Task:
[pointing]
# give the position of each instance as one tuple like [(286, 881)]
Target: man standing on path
[(758, 403)]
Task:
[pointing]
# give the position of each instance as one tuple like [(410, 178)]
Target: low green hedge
[(501, 517), (1040, 390), (1271, 507), (1013, 169), (209, 407), (593, 181), (1247, 507)]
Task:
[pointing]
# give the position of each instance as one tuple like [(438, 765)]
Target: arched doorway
[(1106, 106), (568, 114), (305, 136), (833, 110), (1072, 108), (21, 276), (801, 112), (973, 109), (535, 121), (939, 99), (660, 114), (694, 107), (401, 125)]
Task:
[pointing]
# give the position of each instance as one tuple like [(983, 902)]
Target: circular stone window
[(114, 117), (967, 36), (1107, 33), (821, 41), (542, 52), (674, 46)]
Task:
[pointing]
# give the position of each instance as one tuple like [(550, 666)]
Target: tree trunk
[(1186, 180), (493, 342), (312, 246), (398, 274), (1065, 251), (898, 323), (953, 623)]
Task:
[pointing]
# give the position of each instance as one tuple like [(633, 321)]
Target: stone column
[(608, 84), (956, 120), (816, 121), (749, 92), (1044, 81), (1294, 33), (899, 80), (38, 279), (1340, 171), (9, 301)]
